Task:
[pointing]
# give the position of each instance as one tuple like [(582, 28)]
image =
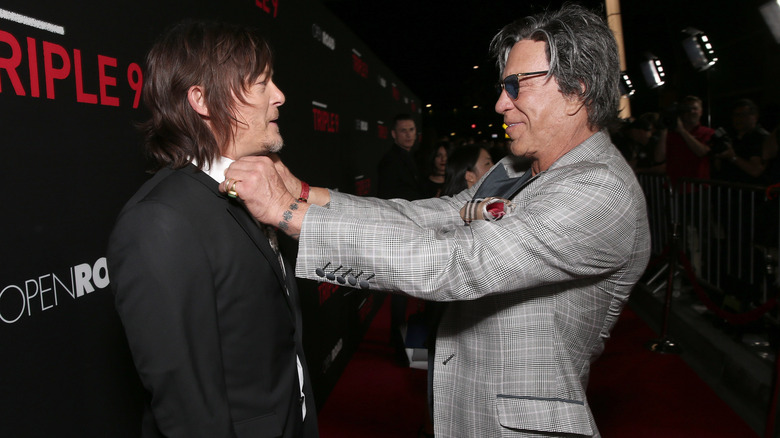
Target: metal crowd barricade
[(730, 233), (660, 209), (727, 236)]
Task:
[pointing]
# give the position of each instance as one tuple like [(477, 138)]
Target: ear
[(471, 176), (392, 133), (574, 103), (574, 106), (197, 99)]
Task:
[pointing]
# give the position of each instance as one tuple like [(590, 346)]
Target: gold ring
[(232, 190)]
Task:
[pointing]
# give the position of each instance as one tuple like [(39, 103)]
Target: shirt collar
[(216, 169)]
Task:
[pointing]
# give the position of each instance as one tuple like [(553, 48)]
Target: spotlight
[(653, 71), (771, 13), (699, 49), (626, 86)]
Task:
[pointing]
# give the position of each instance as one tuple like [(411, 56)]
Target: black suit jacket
[(213, 332), (397, 175)]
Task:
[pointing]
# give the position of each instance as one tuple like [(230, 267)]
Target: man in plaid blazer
[(534, 286)]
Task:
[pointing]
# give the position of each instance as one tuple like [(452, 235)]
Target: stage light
[(626, 86), (699, 49), (771, 13), (653, 71)]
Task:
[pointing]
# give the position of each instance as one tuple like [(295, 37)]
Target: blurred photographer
[(741, 160), (687, 147)]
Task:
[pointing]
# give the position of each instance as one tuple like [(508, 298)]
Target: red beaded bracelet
[(304, 197)]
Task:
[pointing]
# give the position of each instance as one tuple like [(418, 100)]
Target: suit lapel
[(245, 220), (499, 184), (260, 240)]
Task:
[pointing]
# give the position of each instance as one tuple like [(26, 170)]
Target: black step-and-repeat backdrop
[(71, 73)]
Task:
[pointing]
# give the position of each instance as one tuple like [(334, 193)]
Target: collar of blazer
[(236, 209)]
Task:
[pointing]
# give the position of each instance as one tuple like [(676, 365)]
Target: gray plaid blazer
[(532, 296)]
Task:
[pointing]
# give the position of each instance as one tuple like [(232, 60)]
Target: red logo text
[(360, 66), (267, 5), (60, 64), (325, 121)]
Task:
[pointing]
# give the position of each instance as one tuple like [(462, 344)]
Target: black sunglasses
[(511, 83)]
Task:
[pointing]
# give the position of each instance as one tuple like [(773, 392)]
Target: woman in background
[(465, 166), (435, 170)]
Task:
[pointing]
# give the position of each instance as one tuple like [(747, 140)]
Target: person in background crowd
[(535, 265), (632, 138), (646, 155), (210, 309), (685, 153), (398, 177), (434, 179), (637, 141), (742, 160), (770, 157), (467, 165)]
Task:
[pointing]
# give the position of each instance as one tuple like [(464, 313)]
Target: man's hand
[(728, 153), (291, 182), (679, 127), (264, 192)]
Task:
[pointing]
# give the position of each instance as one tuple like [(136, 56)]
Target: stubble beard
[(275, 146)]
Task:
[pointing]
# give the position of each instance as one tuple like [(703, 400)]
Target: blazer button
[(332, 275), (321, 271), (353, 279), (364, 283), (342, 279)]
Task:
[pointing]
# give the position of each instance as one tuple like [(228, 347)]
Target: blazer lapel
[(254, 232), (246, 221), (499, 184)]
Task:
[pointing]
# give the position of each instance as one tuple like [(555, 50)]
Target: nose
[(504, 103), (277, 95)]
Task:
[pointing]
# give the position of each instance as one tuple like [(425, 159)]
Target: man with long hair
[(210, 309)]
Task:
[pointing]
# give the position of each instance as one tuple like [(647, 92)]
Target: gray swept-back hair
[(582, 53)]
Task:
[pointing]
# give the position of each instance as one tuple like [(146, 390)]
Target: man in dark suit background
[(398, 177), (210, 309), (397, 172)]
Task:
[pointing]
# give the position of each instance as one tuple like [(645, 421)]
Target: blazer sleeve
[(432, 212), (578, 225), (165, 297)]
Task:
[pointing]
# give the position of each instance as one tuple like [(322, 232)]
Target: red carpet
[(375, 397), (633, 392)]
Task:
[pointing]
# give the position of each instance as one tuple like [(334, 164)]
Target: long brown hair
[(224, 59)]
